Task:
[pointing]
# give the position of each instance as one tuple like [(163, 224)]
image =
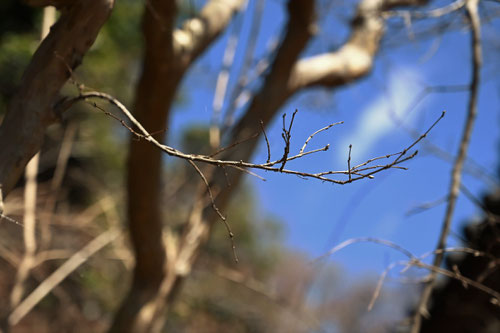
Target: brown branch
[(216, 209), (472, 11), (417, 262), (267, 142), (30, 110), (147, 138), (28, 260)]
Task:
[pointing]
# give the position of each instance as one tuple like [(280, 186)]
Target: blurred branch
[(198, 33), (168, 54), (472, 11), (355, 58), (61, 273), (28, 260), (417, 262), (260, 289), (30, 110), (30, 198), (55, 185), (434, 13)]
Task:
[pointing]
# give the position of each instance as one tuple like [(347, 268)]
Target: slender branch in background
[(426, 206), (222, 81), (243, 93), (416, 262), (261, 289), (30, 197), (349, 162), (433, 13), (475, 26), (55, 185), (232, 145), (61, 273), (243, 74)]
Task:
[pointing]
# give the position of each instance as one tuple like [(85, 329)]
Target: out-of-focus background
[(283, 225)]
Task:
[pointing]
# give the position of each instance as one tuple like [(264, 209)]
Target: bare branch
[(61, 273), (222, 217), (318, 131), (267, 141), (417, 262), (472, 10), (143, 134)]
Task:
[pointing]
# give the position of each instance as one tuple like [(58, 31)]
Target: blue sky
[(318, 216)]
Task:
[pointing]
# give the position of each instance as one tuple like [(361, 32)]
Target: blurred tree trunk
[(32, 108), (168, 54)]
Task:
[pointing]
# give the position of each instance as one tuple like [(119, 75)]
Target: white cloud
[(376, 119)]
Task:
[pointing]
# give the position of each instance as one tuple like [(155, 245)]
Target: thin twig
[(417, 262), (233, 145), (349, 162), (472, 11), (286, 135), (216, 209), (222, 82), (426, 206), (318, 131), (267, 141), (434, 13)]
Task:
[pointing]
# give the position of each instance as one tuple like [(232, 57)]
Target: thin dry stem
[(143, 134), (318, 131), (216, 209), (267, 141)]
